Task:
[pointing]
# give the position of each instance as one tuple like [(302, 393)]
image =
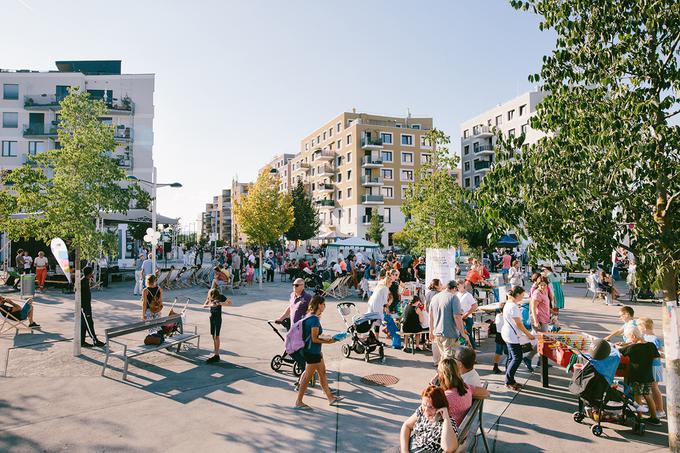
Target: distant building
[(217, 217), (477, 142), (238, 189), (281, 163)]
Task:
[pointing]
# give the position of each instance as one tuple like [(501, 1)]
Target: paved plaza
[(175, 403)]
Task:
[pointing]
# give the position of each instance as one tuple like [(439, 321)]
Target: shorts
[(641, 388), (215, 324), (501, 349), (312, 359), (657, 370)]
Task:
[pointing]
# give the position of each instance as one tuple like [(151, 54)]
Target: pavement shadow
[(10, 440)]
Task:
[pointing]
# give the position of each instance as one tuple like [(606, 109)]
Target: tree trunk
[(78, 305), (671, 327)]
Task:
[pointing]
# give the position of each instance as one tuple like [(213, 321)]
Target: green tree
[(376, 229), (436, 209), (264, 214), (306, 220), (63, 191), (404, 241), (610, 160)]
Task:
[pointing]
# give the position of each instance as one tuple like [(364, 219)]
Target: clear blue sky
[(240, 81)]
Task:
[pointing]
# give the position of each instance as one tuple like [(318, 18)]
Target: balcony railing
[(40, 130), (483, 148), (372, 199), (124, 133), (371, 161), (371, 181), (367, 219), (482, 165), (482, 130), (325, 187), (371, 142), (325, 170), (327, 203), (324, 155), (51, 101)]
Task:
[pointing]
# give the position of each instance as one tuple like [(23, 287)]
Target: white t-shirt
[(509, 331), (41, 262), (472, 378), (515, 276), (378, 299), (28, 261), (467, 300)]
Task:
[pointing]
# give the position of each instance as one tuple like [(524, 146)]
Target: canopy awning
[(354, 242), (507, 240)]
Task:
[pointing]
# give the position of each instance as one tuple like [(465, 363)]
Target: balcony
[(40, 131), (303, 166), (485, 150), (372, 199), (122, 134), (325, 204), (366, 220), (371, 162), (368, 181), (41, 102), (483, 165), (324, 155), (325, 188), (325, 170), (482, 131), (371, 143)]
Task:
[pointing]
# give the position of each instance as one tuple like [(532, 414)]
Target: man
[(468, 306), (269, 268), (446, 322), (19, 261), (86, 321), (28, 262), (139, 275), (236, 266), (296, 310), (147, 269), (12, 309)]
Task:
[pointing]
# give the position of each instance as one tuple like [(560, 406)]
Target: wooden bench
[(128, 351), (467, 431), (410, 338)]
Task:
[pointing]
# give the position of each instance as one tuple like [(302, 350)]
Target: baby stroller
[(283, 359), (599, 401), (362, 336)]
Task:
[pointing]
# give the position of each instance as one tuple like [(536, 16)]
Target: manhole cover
[(380, 379)]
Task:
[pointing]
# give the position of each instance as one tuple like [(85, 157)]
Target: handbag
[(154, 339), (527, 347)]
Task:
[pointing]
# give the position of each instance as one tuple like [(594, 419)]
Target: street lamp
[(154, 185)]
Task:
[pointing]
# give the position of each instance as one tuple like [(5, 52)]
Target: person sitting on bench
[(13, 310)]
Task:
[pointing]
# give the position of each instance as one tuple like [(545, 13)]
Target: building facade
[(238, 189), (281, 163), (29, 111), (478, 139), (217, 217), (358, 165)]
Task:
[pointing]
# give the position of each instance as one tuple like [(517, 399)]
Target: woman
[(430, 428), (606, 284), (539, 306), (394, 290), (433, 289), (152, 299), (215, 302), (459, 395), (514, 334), (558, 295), (311, 333), (41, 270), (412, 319), (515, 274)]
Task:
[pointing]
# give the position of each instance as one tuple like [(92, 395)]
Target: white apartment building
[(281, 164), (29, 111), (478, 139)]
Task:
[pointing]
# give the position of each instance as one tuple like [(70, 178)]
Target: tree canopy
[(306, 220)]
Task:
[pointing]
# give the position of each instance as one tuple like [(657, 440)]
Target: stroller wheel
[(596, 430), (346, 351), (641, 429), (367, 356), (381, 352), (276, 363), (297, 370), (578, 417)]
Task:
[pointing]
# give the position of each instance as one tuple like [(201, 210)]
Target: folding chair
[(597, 292), (9, 321)]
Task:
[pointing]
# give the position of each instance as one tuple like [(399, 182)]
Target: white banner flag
[(441, 264)]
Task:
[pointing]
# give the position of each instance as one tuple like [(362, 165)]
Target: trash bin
[(28, 285)]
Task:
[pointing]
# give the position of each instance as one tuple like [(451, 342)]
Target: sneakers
[(642, 408), (496, 370), (34, 325), (213, 359), (660, 414), (653, 421)]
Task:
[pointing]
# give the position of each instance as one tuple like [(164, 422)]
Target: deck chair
[(332, 290), (170, 279), (596, 291), (10, 322), (160, 280)]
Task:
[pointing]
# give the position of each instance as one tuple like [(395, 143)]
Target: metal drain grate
[(380, 379)]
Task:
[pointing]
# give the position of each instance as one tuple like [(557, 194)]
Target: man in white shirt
[(465, 358), (468, 307)]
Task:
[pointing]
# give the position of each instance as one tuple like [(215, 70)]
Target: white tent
[(369, 249)]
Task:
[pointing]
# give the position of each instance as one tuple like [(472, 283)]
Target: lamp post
[(154, 186)]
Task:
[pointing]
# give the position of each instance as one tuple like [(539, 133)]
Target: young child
[(646, 327), (465, 357), (250, 273), (215, 301), (640, 371), (626, 314)]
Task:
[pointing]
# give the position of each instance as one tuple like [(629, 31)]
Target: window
[(425, 142), (386, 156), (306, 146), (466, 133), (415, 126), (330, 132), (339, 178), (349, 175), (386, 173), (349, 158), (35, 147), (324, 135), (386, 138), (349, 194), (466, 166), (511, 133), (339, 160), (511, 114), (466, 150), (406, 140), (349, 210), (475, 130), (10, 119), (522, 109), (10, 91), (466, 183), (406, 175), (425, 158), (398, 125), (499, 120), (524, 128), (387, 215), (339, 194), (475, 147), (390, 241), (9, 149), (349, 139), (313, 187), (387, 192), (476, 181), (407, 158), (318, 139), (404, 189), (338, 144), (338, 126)]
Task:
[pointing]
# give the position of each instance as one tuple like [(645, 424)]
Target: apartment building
[(238, 189), (358, 165), (281, 163), (478, 139), (217, 217), (29, 107)]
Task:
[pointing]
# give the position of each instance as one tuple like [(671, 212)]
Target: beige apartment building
[(281, 163), (238, 189), (358, 165), (217, 217)]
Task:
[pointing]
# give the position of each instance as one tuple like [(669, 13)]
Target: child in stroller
[(363, 339)]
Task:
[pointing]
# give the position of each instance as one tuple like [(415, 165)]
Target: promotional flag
[(60, 253), (441, 264)]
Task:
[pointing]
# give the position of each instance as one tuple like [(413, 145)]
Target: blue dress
[(557, 290)]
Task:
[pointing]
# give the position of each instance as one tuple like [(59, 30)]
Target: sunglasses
[(297, 284)]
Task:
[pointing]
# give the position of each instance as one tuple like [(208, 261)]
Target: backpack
[(294, 340)]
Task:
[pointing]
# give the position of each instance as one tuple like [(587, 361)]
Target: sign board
[(60, 253), (441, 264), (213, 237)]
